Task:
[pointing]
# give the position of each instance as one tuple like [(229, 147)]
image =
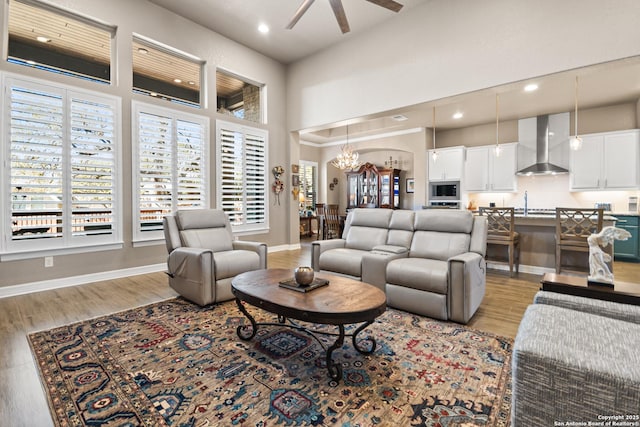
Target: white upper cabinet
[(484, 171), (607, 161), (448, 166)]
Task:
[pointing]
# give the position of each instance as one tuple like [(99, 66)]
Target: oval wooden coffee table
[(342, 302)]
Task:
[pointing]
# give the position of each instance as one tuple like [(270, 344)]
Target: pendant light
[(497, 148), (434, 154), (575, 142), (347, 159)]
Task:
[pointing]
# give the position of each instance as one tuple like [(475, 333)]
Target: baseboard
[(46, 285), (530, 269), (280, 248)]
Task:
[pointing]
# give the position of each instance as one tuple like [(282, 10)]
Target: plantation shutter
[(231, 171), (172, 167), (36, 163), (61, 167), (191, 173), (93, 167), (155, 163), (308, 184), (242, 180), (255, 179)]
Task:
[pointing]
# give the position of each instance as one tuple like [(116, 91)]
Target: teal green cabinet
[(627, 250)]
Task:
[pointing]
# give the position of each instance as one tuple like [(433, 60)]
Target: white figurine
[(598, 269)]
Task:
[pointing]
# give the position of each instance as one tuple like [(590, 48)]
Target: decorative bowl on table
[(303, 276)]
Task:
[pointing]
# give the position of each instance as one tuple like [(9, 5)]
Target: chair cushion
[(418, 273), (401, 228), (438, 245), (371, 217), (205, 228), (231, 263), (446, 220), (365, 238), (343, 260)]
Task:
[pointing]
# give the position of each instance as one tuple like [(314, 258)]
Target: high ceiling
[(599, 85), (316, 30)]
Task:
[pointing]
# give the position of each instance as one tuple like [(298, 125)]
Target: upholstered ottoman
[(573, 366)]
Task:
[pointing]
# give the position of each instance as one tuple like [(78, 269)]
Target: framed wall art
[(410, 185)]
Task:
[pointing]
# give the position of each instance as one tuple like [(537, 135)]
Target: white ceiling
[(603, 84), (316, 30)]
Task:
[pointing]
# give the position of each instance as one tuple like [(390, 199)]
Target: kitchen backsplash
[(545, 192)]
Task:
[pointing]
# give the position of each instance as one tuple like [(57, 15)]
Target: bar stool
[(573, 226), (501, 231)]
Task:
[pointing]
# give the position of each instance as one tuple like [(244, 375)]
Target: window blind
[(63, 182), (242, 179), (171, 166)]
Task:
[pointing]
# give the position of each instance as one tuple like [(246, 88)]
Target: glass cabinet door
[(352, 191)]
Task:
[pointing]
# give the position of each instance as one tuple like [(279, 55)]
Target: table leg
[(335, 370), (356, 344), (242, 329)]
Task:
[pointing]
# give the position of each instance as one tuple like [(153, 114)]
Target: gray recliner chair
[(204, 258)]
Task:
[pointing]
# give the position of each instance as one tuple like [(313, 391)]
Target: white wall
[(445, 48)]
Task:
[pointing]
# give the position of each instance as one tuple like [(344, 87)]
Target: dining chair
[(332, 222), (573, 226), (320, 214), (501, 231)]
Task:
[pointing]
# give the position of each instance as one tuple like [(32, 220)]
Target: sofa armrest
[(319, 246), (374, 267), (191, 265), (467, 281), (257, 247), (614, 310)]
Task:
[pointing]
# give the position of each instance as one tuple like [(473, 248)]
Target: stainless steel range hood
[(542, 165)]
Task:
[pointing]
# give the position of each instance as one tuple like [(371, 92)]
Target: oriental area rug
[(174, 363)]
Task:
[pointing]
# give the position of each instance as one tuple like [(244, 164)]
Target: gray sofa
[(576, 360), (428, 262)]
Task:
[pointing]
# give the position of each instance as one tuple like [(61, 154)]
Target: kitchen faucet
[(526, 202)]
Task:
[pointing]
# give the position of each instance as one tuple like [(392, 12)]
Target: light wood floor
[(22, 400)]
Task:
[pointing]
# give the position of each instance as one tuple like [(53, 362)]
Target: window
[(170, 166), (60, 168), (238, 98), (166, 73), (242, 175), (52, 39), (308, 183)]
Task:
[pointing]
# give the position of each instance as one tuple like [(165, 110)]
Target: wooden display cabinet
[(370, 187)]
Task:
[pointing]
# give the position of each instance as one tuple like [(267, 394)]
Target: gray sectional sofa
[(576, 360), (428, 262)]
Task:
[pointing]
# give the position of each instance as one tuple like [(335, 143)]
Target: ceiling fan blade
[(388, 4), (338, 10), (301, 10)]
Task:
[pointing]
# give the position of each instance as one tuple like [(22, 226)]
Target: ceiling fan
[(338, 10)]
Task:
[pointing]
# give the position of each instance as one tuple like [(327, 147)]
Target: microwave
[(444, 190)]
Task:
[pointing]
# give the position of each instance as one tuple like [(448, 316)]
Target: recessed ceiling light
[(142, 50), (399, 118), (153, 94), (43, 39), (191, 82), (531, 87), (263, 28), (177, 80), (458, 115)]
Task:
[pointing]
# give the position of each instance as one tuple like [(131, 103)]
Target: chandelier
[(347, 159)]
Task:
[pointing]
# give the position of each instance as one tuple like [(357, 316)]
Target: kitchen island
[(538, 246)]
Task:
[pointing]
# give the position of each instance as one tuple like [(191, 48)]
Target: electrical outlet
[(48, 261)]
